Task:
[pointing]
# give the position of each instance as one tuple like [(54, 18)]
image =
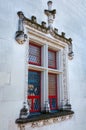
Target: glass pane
[(51, 59), (36, 104), (33, 83), (52, 84), (52, 89), (53, 103), (34, 90), (34, 54)]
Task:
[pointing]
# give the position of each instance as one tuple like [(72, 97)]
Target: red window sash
[(50, 98), (32, 98)]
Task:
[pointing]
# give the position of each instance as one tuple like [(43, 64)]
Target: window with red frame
[(51, 59), (34, 54), (52, 89), (34, 86)]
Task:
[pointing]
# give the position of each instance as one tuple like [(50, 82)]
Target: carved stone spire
[(20, 24), (70, 47), (50, 14), (20, 36)]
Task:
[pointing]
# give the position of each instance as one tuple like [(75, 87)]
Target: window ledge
[(44, 119)]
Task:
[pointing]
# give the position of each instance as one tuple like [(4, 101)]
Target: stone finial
[(21, 15), (50, 14), (20, 36), (21, 18), (43, 24), (63, 34), (34, 20), (70, 40), (49, 3), (56, 30)]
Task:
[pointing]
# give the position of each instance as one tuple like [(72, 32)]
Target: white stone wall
[(70, 18)]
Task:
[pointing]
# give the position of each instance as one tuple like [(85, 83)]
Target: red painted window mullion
[(32, 104), (50, 103)]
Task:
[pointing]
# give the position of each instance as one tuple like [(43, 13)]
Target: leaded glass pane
[(51, 59), (34, 90), (34, 54), (52, 84), (52, 89)]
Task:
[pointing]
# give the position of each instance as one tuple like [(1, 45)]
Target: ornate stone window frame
[(63, 97), (47, 37), (62, 47)]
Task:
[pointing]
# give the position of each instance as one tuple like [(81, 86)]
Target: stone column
[(65, 101)]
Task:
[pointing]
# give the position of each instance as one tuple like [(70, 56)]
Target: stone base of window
[(45, 119)]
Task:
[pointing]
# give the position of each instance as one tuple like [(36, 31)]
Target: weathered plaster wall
[(70, 18)]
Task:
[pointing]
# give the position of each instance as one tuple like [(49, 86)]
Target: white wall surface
[(71, 19)]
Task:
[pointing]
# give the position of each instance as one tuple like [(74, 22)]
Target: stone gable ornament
[(50, 14), (21, 37), (54, 32)]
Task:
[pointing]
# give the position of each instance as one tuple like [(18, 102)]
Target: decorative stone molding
[(53, 32), (43, 28), (33, 23), (42, 123), (21, 37), (44, 117)]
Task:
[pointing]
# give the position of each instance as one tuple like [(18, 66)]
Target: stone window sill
[(46, 118)]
